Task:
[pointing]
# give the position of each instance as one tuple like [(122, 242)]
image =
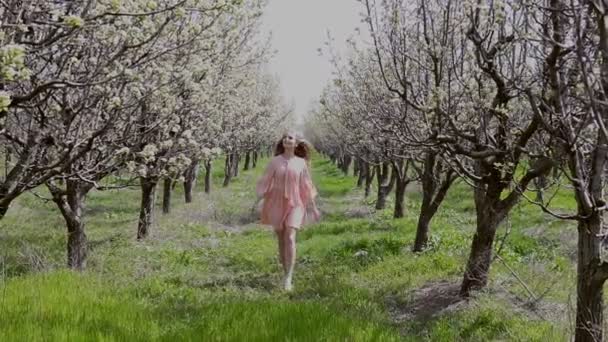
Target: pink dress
[(288, 193)]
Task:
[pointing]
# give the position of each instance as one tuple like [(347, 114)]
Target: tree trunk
[(7, 162), (401, 185), (369, 178), (228, 170), (480, 257), (71, 205), (190, 180), (540, 183), (363, 169), (590, 282), (247, 161), (167, 195), (254, 162), (235, 164), (491, 211), (430, 204), (345, 164), (592, 270), (384, 188), (400, 173), (77, 239), (77, 246), (429, 184), (349, 161), (146, 213), (207, 176), (357, 167), (381, 171), (432, 196), (5, 203), (422, 232)]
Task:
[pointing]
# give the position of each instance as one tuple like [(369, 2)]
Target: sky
[(299, 28)]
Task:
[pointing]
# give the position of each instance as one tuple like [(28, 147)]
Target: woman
[(289, 197)]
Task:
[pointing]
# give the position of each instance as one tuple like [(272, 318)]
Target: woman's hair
[(303, 149)]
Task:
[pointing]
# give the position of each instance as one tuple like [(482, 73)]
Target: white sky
[(299, 28)]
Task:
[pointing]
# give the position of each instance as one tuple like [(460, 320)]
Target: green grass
[(67, 306), (330, 181), (209, 272), (490, 321)]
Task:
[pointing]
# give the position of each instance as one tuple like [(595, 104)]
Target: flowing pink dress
[(288, 193)]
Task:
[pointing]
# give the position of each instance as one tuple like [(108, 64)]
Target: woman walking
[(289, 197)]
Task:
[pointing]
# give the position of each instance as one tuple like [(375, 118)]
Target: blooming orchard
[(148, 89)]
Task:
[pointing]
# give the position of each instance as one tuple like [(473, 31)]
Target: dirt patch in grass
[(427, 302)]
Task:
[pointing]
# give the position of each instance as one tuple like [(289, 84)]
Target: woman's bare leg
[(289, 235), (281, 241)]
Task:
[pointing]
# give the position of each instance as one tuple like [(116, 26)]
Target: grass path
[(208, 272)]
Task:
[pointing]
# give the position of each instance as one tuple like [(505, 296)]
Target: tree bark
[(363, 169), (254, 162), (345, 164), (422, 232), (207, 176), (77, 239), (247, 161), (71, 205), (228, 170), (400, 172), (590, 282), (491, 210), (381, 171), (369, 178), (401, 185), (146, 213), (432, 196), (540, 183), (428, 210), (190, 180), (235, 164), (167, 195), (480, 257), (357, 168), (592, 271), (489, 214), (384, 188), (7, 162), (5, 203)]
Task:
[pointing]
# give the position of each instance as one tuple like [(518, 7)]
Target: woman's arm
[(265, 182), (308, 192)]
